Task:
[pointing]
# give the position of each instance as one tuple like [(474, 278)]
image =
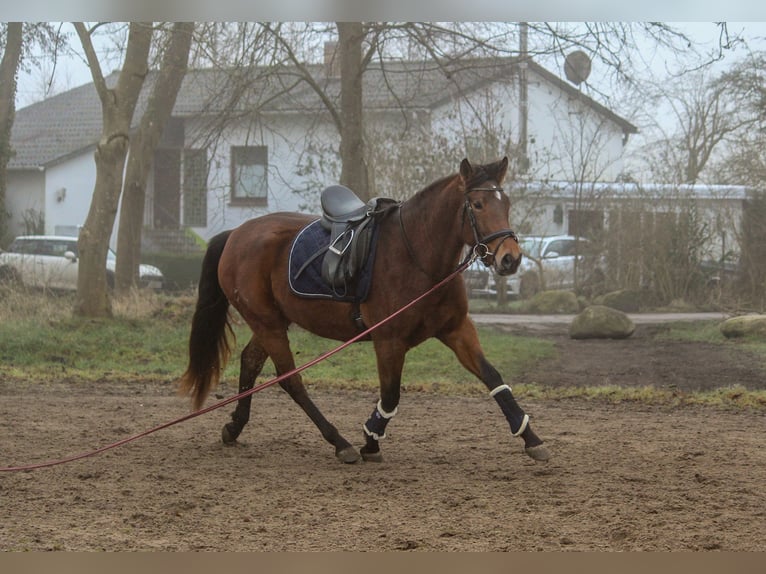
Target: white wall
[(565, 135), (286, 138), (25, 191), (77, 176), (562, 132), (493, 109)]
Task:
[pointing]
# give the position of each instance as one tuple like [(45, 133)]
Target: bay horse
[(421, 241)]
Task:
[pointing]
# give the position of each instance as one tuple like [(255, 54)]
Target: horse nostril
[(509, 263)]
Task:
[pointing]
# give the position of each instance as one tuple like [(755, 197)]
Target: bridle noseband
[(481, 249)]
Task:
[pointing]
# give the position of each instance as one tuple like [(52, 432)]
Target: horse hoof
[(538, 453), (349, 455), (227, 437), (372, 456)]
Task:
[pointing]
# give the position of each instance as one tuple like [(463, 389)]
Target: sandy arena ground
[(622, 476)]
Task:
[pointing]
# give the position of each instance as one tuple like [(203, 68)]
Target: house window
[(249, 175), (195, 187), (558, 214)]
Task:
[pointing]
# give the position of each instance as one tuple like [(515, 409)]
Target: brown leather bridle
[(481, 248)]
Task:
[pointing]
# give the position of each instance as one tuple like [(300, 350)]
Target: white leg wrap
[(383, 413), (496, 390), (374, 435), (523, 426)]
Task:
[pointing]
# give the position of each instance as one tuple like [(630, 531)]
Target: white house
[(278, 148)]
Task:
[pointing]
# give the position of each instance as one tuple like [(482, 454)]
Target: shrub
[(553, 302), (181, 271), (625, 300)]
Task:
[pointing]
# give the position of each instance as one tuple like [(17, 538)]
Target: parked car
[(556, 255), (479, 280), (51, 262)]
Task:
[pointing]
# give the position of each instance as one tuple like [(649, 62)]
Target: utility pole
[(523, 98)]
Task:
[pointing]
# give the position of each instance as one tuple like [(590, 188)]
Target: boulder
[(744, 326), (601, 322)]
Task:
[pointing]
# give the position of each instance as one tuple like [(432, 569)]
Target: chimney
[(331, 60)]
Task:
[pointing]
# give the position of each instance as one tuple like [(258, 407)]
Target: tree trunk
[(142, 148), (354, 168), (8, 70), (118, 105)]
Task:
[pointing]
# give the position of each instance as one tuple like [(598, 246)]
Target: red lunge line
[(243, 394)]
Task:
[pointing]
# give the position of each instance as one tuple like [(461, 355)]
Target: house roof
[(55, 128), (69, 123)]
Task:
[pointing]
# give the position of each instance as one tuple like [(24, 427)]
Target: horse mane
[(438, 184), (481, 174)]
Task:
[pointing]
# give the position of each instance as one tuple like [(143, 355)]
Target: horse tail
[(209, 341)]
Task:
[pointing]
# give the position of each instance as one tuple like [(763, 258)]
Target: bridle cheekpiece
[(481, 248)]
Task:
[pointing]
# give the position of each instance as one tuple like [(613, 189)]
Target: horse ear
[(466, 169), (502, 169)]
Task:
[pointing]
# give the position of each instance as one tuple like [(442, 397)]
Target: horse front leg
[(251, 363), (464, 342), (517, 419), (390, 358)]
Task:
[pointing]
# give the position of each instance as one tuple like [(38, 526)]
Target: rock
[(601, 322), (744, 326)]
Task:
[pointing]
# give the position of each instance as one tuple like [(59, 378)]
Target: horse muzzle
[(508, 264), (506, 257)]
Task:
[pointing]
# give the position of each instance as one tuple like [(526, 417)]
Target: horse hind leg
[(343, 449), (284, 362), (252, 359)]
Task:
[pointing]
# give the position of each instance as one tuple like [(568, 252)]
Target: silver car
[(555, 258), (51, 262)]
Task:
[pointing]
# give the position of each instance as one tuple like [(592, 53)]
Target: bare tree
[(351, 35), (142, 148), (695, 118), (118, 105), (25, 46), (8, 71), (744, 159), (744, 163)]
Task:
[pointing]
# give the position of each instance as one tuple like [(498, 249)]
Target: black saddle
[(350, 222), (341, 205)]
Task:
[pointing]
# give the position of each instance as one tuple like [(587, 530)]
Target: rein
[(463, 266)]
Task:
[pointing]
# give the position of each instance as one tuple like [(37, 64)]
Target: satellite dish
[(577, 67)]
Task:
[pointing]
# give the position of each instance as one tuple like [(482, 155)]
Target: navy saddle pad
[(306, 279)]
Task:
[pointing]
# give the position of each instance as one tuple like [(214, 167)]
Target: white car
[(556, 255), (51, 262)]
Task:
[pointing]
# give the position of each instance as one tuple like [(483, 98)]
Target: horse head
[(487, 210)]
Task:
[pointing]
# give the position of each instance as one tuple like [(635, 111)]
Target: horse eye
[(477, 204)]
